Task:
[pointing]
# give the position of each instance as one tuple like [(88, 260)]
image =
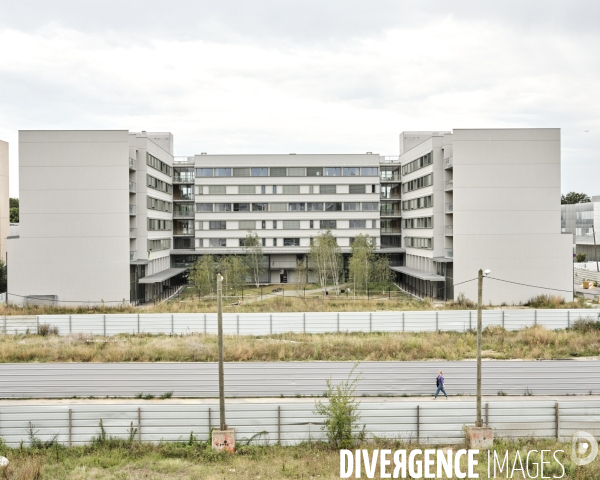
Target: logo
[(584, 448)]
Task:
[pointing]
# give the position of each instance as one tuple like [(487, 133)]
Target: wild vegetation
[(583, 340)]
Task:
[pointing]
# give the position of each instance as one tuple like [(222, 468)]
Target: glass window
[(278, 207), (218, 242), (278, 172), (222, 172), (204, 207), (370, 206), (296, 172), (241, 207), (325, 224), (369, 171), (264, 242), (247, 224), (351, 206), (263, 189), (312, 224), (291, 224), (333, 207), (291, 189), (358, 223), (241, 172), (327, 189), (333, 171), (223, 207), (216, 189), (275, 224), (356, 189), (217, 225), (247, 189), (260, 207), (291, 242), (263, 224), (274, 189), (260, 171), (351, 171), (314, 206), (297, 207), (314, 172), (204, 172)]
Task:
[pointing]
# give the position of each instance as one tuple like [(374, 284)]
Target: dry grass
[(121, 460), (531, 343)]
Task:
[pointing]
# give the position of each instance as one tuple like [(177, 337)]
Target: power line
[(533, 286)]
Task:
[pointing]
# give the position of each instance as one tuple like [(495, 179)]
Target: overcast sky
[(326, 76)]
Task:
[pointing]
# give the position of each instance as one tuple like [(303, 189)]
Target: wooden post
[(557, 420), (138, 320), (104, 323), (209, 422), (418, 424), (479, 422), (70, 427), (139, 424), (222, 424), (279, 425), (172, 324), (487, 414), (70, 325)]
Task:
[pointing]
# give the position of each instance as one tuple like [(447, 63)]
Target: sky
[(326, 76)]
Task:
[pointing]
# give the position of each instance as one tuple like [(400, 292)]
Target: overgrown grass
[(531, 343), (121, 459)]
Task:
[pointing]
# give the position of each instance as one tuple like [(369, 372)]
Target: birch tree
[(361, 261), (235, 271), (202, 274), (254, 257), (325, 259)]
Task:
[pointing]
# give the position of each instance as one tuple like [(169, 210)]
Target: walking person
[(440, 385)]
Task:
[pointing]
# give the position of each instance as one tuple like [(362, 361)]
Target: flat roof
[(419, 274), (162, 276)]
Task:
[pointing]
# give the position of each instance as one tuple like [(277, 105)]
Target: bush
[(586, 325), (493, 330), (341, 412), (463, 302), (580, 258), (46, 329), (546, 301)]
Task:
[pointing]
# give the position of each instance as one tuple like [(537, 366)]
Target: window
[(274, 242), (278, 172), (314, 172), (419, 242), (264, 242), (351, 206), (260, 207), (356, 189), (373, 189), (351, 171), (160, 205), (241, 207), (291, 189), (291, 242), (333, 171), (159, 165), (204, 172), (333, 207), (275, 224), (260, 171), (419, 222), (155, 224), (312, 224), (216, 190), (279, 207), (328, 224), (370, 206), (327, 189), (417, 164), (421, 182), (263, 189), (297, 207), (241, 172), (358, 223), (204, 207), (369, 171), (217, 225), (218, 242), (291, 224), (416, 203), (314, 206), (264, 224), (242, 242), (222, 172), (159, 185), (373, 223), (296, 172), (274, 189), (222, 207), (247, 189), (159, 244)]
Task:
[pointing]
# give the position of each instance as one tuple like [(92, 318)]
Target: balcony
[(449, 230), (183, 197), (132, 188), (132, 209), (449, 253), (133, 256), (448, 185), (184, 232), (389, 177), (389, 230), (133, 233), (132, 164), (449, 208), (448, 162), (183, 213), (183, 178)]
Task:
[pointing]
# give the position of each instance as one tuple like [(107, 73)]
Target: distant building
[(581, 220), (4, 200)]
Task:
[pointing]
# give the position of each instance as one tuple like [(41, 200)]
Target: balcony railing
[(183, 213), (449, 207), (133, 233), (390, 230), (132, 256), (449, 253), (132, 188), (184, 197), (132, 210), (390, 176), (183, 178), (389, 195), (448, 185), (132, 164), (448, 162), (449, 229), (184, 231)]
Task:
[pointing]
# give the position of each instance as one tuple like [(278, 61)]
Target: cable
[(533, 286)]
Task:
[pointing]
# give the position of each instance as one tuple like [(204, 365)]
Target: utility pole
[(223, 426), (479, 422)]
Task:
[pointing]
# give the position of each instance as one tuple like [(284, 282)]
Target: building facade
[(582, 221), (4, 201)]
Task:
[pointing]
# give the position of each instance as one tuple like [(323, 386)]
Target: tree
[(325, 258), (574, 197), (3, 278), (254, 256), (235, 271), (14, 210), (361, 260), (580, 258), (381, 272), (202, 274), (301, 276)]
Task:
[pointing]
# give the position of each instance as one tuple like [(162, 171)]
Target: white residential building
[(582, 221), (4, 200)]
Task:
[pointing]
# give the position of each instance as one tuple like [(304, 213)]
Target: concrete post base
[(224, 440), (480, 438)]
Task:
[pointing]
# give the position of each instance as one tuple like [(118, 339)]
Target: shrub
[(341, 412), (46, 329), (546, 301), (493, 330), (580, 258), (585, 325), (463, 302)]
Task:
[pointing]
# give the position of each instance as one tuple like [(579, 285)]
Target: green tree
[(202, 275), (580, 258), (235, 271), (14, 210), (254, 256), (325, 259), (574, 197), (301, 278), (360, 262), (3, 277), (381, 272)]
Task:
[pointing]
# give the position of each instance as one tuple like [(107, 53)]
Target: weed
[(528, 393), (166, 395), (501, 394), (46, 329)]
